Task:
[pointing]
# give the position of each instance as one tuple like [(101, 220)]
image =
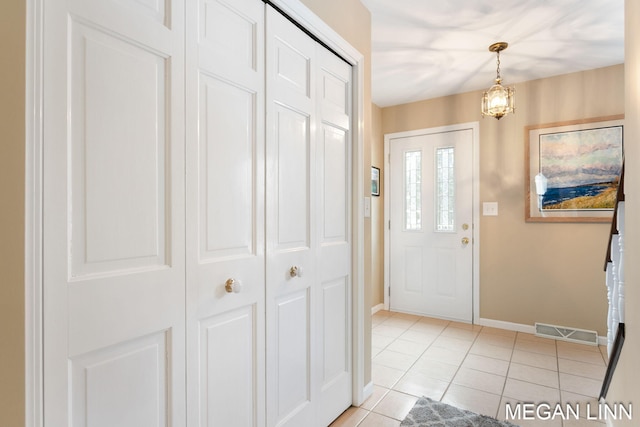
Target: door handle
[(465, 240), (295, 271), (233, 286)]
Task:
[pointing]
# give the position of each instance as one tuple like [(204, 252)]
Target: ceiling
[(424, 49)]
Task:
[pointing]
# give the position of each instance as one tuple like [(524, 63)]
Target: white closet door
[(291, 224), (225, 213), (114, 274), (308, 234), (333, 243)]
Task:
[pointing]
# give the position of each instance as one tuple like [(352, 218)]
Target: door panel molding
[(137, 370), (234, 333), (104, 239)]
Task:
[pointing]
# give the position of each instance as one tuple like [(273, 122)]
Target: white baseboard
[(510, 326), (376, 308), (367, 391), (519, 327)]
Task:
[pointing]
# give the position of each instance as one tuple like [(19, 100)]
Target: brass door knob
[(465, 240), (293, 271), (233, 286)]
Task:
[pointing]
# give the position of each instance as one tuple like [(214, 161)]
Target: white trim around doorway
[(33, 327)]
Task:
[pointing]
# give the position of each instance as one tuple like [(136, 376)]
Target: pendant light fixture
[(498, 100)]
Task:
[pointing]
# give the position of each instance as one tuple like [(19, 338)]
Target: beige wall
[(625, 387), (377, 212), (529, 272), (12, 107)]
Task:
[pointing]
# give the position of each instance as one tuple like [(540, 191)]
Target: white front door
[(225, 213), (114, 247), (308, 232), (431, 224)]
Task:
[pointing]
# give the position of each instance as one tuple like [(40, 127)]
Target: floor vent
[(567, 334)]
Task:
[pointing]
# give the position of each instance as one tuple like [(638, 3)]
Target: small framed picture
[(375, 181)]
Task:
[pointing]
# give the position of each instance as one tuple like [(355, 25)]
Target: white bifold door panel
[(225, 213), (308, 229), (114, 247), (431, 257)]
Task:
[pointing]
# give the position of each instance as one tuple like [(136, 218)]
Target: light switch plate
[(490, 209)]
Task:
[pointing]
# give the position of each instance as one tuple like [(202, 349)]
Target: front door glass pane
[(445, 189), (412, 188)]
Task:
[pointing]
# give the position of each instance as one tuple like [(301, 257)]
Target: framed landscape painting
[(572, 170)]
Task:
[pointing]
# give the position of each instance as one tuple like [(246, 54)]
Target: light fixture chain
[(498, 61)]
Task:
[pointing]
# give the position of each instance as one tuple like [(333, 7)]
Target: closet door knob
[(233, 286), (295, 271)]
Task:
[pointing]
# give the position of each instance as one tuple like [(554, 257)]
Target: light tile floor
[(473, 367)]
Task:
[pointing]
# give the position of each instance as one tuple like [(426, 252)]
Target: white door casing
[(113, 204), (225, 213), (430, 258), (308, 234)]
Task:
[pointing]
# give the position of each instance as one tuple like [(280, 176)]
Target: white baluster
[(621, 288), (609, 283), (615, 261)]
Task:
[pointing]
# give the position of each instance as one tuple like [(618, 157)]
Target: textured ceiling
[(424, 49)]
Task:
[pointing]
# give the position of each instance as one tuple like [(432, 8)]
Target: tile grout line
[(405, 371), (421, 354), (506, 374), (465, 357), (459, 366), (447, 325)]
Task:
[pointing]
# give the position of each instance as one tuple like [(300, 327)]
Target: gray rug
[(430, 413)]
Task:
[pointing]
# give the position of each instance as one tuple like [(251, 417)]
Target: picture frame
[(375, 181), (572, 170)]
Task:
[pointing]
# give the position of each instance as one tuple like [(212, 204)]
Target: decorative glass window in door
[(445, 189), (413, 190)]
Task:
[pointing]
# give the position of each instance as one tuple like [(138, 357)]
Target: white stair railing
[(615, 279)]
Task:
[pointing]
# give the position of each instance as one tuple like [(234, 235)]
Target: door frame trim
[(33, 275), (475, 128), (34, 328)]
